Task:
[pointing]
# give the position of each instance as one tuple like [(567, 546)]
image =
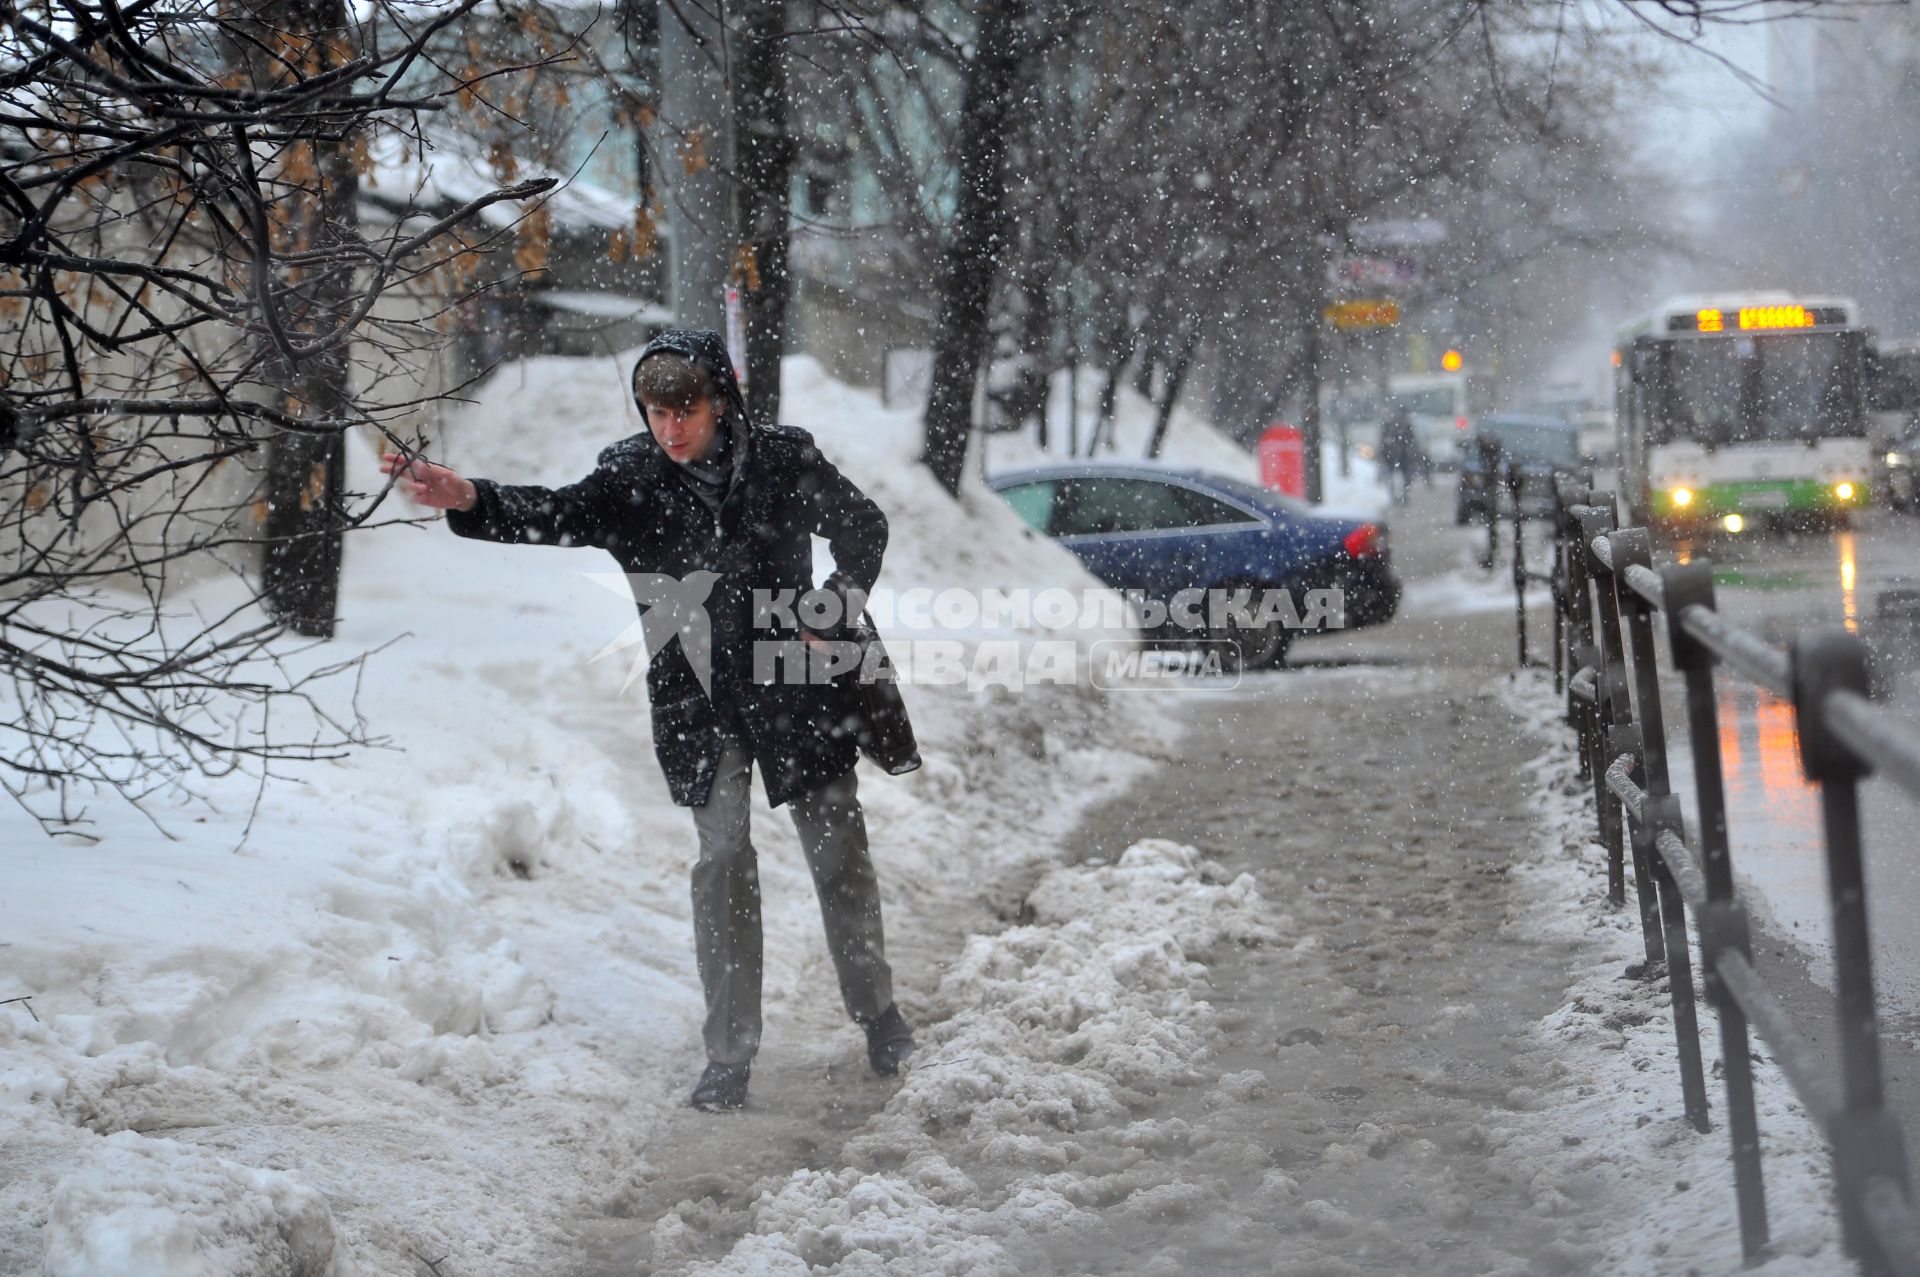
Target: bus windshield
[(1761, 389)]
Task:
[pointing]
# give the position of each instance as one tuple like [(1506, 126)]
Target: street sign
[(1362, 314)]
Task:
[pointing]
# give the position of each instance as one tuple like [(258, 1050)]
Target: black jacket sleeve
[(578, 514), (853, 524)]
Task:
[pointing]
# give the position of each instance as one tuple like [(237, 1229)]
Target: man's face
[(685, 434)]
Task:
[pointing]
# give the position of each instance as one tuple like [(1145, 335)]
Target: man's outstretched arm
[(515, 514)]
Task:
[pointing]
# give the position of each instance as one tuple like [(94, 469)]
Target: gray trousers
[(726, 903)]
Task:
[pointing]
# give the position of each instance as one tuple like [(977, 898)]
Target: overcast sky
[(1685, 125), (1705, 104)]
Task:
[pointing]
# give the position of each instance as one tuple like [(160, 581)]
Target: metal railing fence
[(1610, 606)]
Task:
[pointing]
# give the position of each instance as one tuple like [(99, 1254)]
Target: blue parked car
[(1161, 531)]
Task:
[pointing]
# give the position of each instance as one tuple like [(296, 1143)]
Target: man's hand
[(434, 486)]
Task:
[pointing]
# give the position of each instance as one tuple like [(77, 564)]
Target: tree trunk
[(639, 26), (1036, 327), (1170, 389), (1119, 348), (1073, 402), (1150, 338), (1149, 361), (1310, 411), (766, 168), (305, 472), (977, 238)]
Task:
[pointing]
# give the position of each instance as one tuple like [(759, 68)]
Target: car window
[(1096, 507), (1265, 498), (1203, 511), (1032, 502)]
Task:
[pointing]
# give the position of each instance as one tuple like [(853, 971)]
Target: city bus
[(1743, 409)]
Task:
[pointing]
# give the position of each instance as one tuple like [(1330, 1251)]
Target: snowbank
[(442, 989), (145, 1206), (1049, 1028)]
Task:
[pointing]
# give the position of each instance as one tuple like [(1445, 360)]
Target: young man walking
[(705, 495)]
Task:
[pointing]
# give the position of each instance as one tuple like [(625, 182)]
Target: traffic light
[(1451, 361)]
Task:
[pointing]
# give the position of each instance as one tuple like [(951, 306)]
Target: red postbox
[(1283, 460)]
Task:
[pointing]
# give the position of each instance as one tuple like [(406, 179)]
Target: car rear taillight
[(1459, 423), (1364, 542)]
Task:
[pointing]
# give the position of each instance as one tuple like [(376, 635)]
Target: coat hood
[(708, 350)]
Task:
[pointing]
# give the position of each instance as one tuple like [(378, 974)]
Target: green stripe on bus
[(1758, 496)]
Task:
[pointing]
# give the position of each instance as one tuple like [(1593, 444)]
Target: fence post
[(1564, 499), (1632, 547), (1867, 1142), (1616, 718), (1624, 738), (1490, 465), (1723, 924), (1519, 563), (1581, 653)]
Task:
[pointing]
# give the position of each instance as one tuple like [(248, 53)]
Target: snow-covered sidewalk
[(1371, 1019), (433, 1007)]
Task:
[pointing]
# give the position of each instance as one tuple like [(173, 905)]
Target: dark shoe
[(889, 1041), (722, 1087)]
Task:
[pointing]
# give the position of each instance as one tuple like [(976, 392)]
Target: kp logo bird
[(671, 608)]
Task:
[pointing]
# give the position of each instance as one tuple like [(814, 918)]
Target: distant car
[(1898, 472), (1595, 430), (1161, 531), (1541, 447)]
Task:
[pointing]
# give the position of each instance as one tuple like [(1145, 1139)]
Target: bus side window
[(1650, 383)]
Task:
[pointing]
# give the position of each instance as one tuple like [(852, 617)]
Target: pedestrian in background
[(1398, 452)]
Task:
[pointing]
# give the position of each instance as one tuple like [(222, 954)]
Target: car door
[(1223, 542), (1132, 533)]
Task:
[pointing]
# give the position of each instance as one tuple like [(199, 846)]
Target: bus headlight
[(1733, 523), (1681, 497), (1843, 490)]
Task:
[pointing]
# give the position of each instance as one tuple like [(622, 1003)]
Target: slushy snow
[(443, 987), (429, 1002), (1057, 1026)]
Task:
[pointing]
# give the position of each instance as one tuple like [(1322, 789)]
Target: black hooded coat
[(782, 492)]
